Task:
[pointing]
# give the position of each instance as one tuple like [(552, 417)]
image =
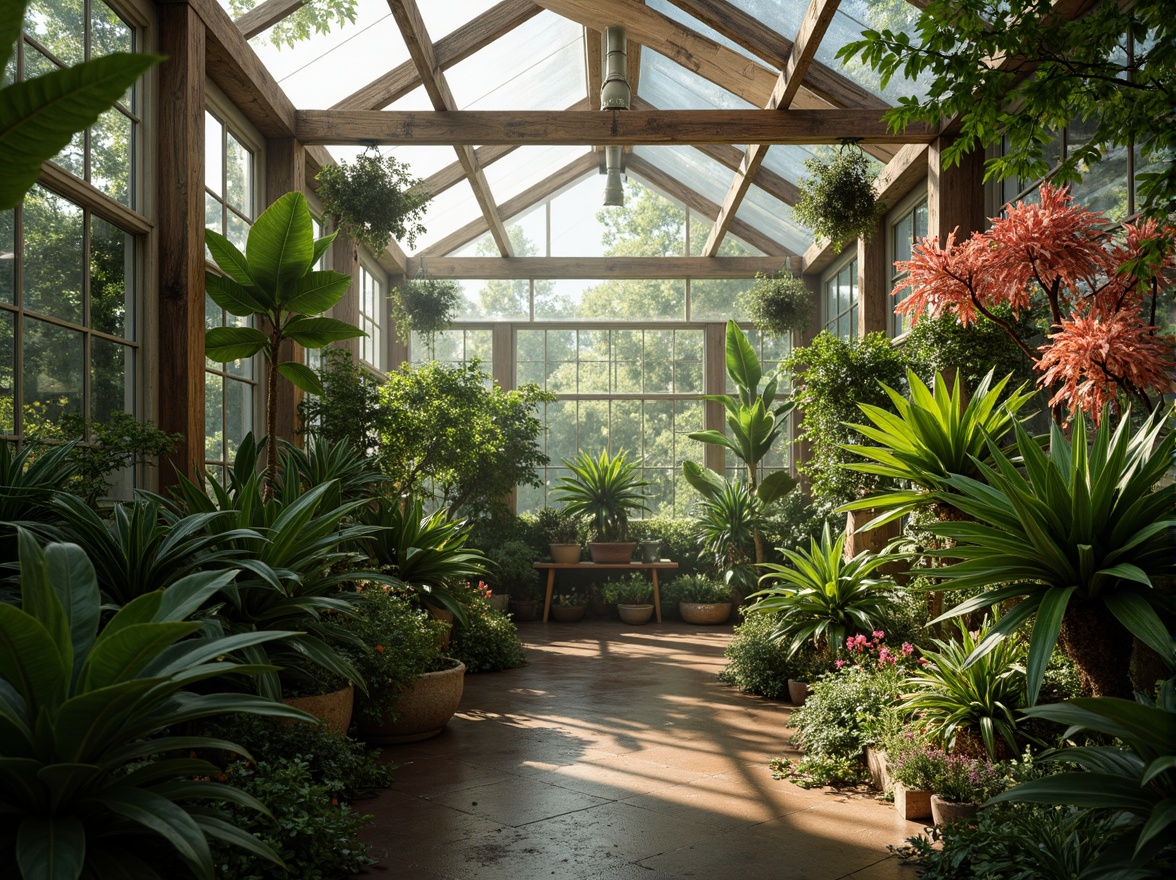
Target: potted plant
[(838, 201), (780, 304), (563, 534), (962, 785), (632, 596), (569, 607), (423, 305), (413, 689), (808, 665), (912, 771), (604, 490), (702, 600), (515, 574)]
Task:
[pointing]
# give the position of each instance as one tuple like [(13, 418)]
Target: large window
[(907, 228), (371, 309), (839, 301), (230, 202)]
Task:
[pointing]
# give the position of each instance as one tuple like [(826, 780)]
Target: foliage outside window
[(371, 319), (907, 230), (840, 301)]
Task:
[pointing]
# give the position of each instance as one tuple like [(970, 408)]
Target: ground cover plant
[(757, 663), (487, 640)]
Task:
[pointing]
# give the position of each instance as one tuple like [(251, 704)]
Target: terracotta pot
[(524, 609), (798, 691), (618, 551), (565, 553), (635, 615), (333, 709), (911, 804), (944, 812), (422, 710), (705, 613), (568, 613), (499, 602), (879, 768)]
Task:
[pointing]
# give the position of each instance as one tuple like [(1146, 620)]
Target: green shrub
[(488, 641), (833, 720), (755, 663), (813, 771), (514, 571), (311, 829), (633, 589), (695, 588)]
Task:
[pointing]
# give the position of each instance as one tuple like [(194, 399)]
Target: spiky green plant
[(603, 490)]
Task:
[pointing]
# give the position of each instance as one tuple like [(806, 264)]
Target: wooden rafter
[(420, 47), (594, 267), (766, 179), (448, 51), (635, 127), (569, 174), (816, 21), (265, 15), (688, 196)]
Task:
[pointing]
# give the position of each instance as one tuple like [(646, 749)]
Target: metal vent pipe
[(615, 94)]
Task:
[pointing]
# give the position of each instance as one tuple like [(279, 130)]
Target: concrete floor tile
[(517, 801)]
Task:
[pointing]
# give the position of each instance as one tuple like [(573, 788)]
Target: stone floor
[(617, 754)]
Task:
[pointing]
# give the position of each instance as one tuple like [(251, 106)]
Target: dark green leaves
[(223, 344)]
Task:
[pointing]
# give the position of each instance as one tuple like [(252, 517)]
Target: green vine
[(424, 305), (780, 303), (838, 201), (374, 199)]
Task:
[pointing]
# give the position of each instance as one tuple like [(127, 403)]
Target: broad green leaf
[(11, 20), (30, 660), (72, 577), (775, 486), (321, 245), (169, 820), (228, 257), (280, 247), (743, 365), (320, 332), (234, 298), (223, 344), (316, 292), (302, 377), (706, 481), (122, 657), (1141, 620), (39, 599), (231, 834), (1046, 627), (51, 849), (39, 116), (189, 593)]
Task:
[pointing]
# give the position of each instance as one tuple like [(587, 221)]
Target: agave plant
[(956, 701), (426, 553), (1077, 534), (933, 436), (822, 597), (357, 476), (91, 721), (1135, 780), (605, 490)]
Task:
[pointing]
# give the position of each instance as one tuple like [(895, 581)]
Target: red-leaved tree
[(1101, 290)]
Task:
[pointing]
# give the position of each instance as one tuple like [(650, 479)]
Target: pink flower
[(840, 663), (878, 634), (907, 649)]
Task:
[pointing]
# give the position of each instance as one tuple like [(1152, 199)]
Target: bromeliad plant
[(91, 721), (1078, 533), (823, 598), (275, 282), (604, 490)]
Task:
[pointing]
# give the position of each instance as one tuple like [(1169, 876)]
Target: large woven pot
[(422, 710), (565, 554), (333, 709), (612, 551), (944, 812), (704, 613), (635, 615)]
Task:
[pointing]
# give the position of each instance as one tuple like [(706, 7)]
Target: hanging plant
[(374, 199), (780, 303), (424, 305), (838, 201)]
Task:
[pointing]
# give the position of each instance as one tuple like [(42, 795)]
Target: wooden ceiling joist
[(420, 47), (804, 51), (589, 128), (448, 51), (766, 179), (265, 15), (594, 267)]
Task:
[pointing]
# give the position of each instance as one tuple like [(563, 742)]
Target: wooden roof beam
[(420, 47), (594, 267), (265, 15), (448, 51), (634, 127), (804, 51)]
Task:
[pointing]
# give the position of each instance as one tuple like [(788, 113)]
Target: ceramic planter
[(524, 609), (422, 710), (944, 812), (798, 691), (612, 551), (565, 553), (568, 613), (635, 615), (650, 551), (705, 613), (333, 709), (911, 804)]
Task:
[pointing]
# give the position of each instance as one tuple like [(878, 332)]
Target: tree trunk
[(271, 415), (1100, 647)]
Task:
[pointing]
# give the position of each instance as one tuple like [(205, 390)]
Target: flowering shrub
[(872, 653), (1101, 293), (833, 720), (954, 777)]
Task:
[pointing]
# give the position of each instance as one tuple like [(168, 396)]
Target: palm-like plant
[(956, 700), (728, 520), (933, 436), (1077, 534), (1135, 781), (89, 725), (822, 597), (604, 490), (356, 475), (29, 481)]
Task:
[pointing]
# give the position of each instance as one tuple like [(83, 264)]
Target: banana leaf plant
[(755, 421), (275, 283), (932, 436), (1134, 780), (1077, 534), (96, 778)]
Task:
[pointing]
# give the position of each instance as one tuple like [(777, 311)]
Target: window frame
[(847, 263)]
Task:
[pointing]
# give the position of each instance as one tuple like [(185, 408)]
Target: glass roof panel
[(575, 229), (537, 66), (326, 68), (770, 215), (527, 166), (446, 213), (669, 10), (668, 85), (444, 18), (788, 160), (694, 169)]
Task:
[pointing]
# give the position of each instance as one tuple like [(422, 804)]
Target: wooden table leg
[(547, 600), (656, 595)]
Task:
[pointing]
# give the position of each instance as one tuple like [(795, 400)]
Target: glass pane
[(719, 299), (214, 437), (110, 155), (213, 216), (109, 32), (8, 256), (238, 230), (7, 373), (239, 176), (111, 278), (213, 154), (1105, 186), (59, 26), (52, 372), (112, 380), (53, 263), (499, 299), (238, 414)]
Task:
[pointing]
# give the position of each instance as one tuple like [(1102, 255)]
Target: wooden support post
[(180, 365), (955, 196), (345, 259), (873, 282), (285, 171)]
